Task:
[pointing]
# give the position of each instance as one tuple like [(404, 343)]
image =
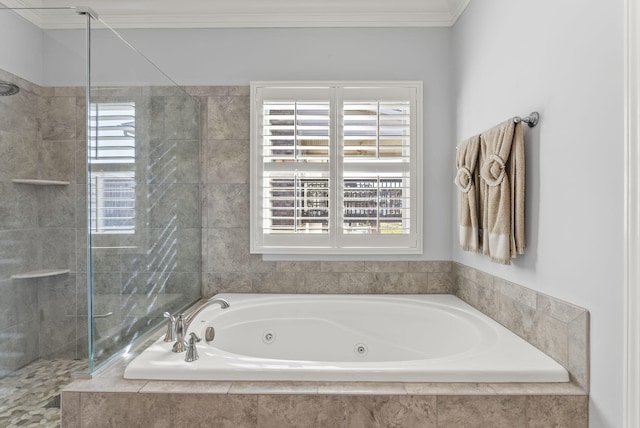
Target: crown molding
[(456, 8), (444, 15)]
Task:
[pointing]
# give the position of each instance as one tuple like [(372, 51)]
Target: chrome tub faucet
[(182, 323)]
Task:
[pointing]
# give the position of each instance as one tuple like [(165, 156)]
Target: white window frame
[(336, 242)]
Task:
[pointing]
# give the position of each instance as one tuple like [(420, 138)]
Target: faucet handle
[(192, 352), (168, 337)]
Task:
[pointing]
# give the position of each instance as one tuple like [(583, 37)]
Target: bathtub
[(390, 338)]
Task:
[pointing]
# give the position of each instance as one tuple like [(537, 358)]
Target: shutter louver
[(377, 130), (296, 135), (376, 205), (113, 138)]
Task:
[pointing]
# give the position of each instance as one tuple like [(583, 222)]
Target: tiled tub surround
[(110, 400), (559, 329), (109, 403)]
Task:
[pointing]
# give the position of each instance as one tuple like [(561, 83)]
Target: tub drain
[(361, 349), (268, 337)]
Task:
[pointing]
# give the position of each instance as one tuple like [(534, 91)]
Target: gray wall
[(565, 60), (21, 44)]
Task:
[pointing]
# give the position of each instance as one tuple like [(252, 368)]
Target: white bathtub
[(404, 338)]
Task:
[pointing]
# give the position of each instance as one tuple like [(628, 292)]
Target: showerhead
[(7, 89)]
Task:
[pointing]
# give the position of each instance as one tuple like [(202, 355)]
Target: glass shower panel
[(144, 195), (43, 285)]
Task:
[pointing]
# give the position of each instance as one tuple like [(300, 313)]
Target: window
[(336, 168), (112, 166)]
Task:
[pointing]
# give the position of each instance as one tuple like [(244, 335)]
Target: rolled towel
[(468, 218)]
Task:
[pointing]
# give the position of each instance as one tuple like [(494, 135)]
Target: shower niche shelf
[(42, 273), (39, 182)]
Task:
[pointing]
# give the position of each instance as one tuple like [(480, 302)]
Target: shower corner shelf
[(38, 182), (43, 273)]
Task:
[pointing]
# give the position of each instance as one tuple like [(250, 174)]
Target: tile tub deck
[(109, 400)]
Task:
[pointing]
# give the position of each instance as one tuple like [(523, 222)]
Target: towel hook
[(531, 120)]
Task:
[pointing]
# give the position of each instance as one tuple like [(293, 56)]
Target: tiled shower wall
[(43, 136), (38, 140)]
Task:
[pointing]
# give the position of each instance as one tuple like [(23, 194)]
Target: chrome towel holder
[(531, 120)]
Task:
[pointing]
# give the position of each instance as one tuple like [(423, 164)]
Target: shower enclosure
[(99, 201)]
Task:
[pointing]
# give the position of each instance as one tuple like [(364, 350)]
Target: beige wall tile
[(321, 282), (520, 294), (407, 283), (296, 411), (226, 161), (227, 250), (207, 91), (207, 410), (109, 410), (297, 266), (430, 266), (226, 282), (558, 309), (362, 388), (185, 387), (481, 412), (449, 388), (274, 388), (558, 412), (70, 410), (228, 118), (386, 266), (359, 282), (227, 205), (278, 282), (342, 266), (391, 411), (440, 283), (551, 336), (578, 352), (58, 118)]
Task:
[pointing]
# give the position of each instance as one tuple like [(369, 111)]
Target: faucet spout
[(213, 301), (183, 322)]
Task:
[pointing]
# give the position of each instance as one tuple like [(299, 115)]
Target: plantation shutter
[(334, 169), (112, 167), (379, 167)]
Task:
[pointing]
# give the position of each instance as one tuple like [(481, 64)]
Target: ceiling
[(249, 13)]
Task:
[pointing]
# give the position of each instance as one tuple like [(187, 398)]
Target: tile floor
[(24, 394)]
